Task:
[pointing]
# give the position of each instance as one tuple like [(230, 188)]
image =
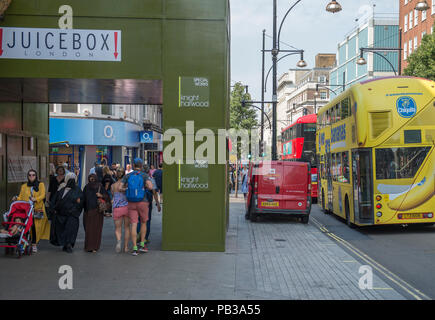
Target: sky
[(308, 27)]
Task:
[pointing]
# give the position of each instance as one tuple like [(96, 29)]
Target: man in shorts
[(138, 209)]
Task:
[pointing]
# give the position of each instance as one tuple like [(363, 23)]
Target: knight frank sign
[(60, 44)]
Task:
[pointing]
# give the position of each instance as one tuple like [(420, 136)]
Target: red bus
[(299, 144)]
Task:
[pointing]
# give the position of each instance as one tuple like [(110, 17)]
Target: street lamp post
[(333, 7), (262, 88)]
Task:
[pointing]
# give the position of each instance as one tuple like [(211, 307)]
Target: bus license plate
[(412, 216), (270, 204)]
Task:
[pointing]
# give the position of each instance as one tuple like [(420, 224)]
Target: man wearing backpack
[(135, 184)]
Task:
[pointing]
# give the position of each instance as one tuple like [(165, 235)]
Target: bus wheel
[(347, 210)]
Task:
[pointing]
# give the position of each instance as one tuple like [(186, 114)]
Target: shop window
[(69, 108), (107, 110)]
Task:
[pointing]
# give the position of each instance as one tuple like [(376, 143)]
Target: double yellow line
[(417, 294)]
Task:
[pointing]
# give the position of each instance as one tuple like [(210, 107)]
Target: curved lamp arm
[(282, 22), (391, 65), (270, 123), (267, 76)]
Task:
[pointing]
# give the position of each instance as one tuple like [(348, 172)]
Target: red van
[(279, 187)]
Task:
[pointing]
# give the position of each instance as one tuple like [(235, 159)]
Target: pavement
[(276, 258)]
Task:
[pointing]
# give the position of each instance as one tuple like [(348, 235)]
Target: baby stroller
[(20, 243)]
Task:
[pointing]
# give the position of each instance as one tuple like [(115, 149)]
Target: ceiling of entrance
[(83, 91)]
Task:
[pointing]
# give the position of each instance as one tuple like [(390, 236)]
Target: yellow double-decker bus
[(375, 148)]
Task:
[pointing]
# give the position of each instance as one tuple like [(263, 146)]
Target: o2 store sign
[(60, 44)]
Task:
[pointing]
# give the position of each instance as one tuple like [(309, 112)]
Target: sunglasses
[(32, 175)]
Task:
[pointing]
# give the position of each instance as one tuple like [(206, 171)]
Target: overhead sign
[(60, 44), (146, 136)]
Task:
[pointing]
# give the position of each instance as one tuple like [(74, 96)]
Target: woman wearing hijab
[(108, 180), (35, 191), (67, 205), (93, 219)]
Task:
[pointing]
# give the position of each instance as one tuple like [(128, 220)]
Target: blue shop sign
[(94, 132), (146, 137)]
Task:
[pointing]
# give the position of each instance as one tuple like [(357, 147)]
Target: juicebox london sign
[(60, 44)]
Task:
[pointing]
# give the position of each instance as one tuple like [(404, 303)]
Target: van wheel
[(347, 210), (305, 219)]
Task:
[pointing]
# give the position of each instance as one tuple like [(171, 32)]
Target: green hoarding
[(178, 47)]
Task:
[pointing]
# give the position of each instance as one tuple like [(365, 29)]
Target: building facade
[(414, 25), (373, 31)]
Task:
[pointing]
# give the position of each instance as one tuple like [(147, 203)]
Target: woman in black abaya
[(68, 206)]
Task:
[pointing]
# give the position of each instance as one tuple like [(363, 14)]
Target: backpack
[(136, 188)]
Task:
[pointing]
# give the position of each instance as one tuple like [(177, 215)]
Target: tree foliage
[(241, 117), (421, 63)]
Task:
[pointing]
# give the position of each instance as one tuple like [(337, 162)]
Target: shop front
[(82, 142)]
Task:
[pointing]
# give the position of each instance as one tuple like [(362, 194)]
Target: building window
[(410, 20), (423, 15), (69, 108), (323, 95), (406, 23), (406, 2), (415, 17), (423, 34), (433, 6), (410, 47), (107, 110), (415, 43), (322, 79), (405, 51), (51, 108)]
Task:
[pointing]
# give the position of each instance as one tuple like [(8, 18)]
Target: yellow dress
[(42, 226)]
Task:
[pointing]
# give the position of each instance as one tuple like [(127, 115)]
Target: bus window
[(337, 112), (328, 117), (399, 163), (345, 167), (345, 108), (334, 166)]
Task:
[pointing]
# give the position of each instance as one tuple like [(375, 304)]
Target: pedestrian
[(93, 218), (120, 212), (150, 194), (158, 178), (108, 180), (55, 182), (67, 207), (34, 190), (245, 188), (135, 184), (128, 169), (152, 170)]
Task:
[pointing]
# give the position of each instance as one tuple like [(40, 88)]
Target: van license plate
[(270, 204)]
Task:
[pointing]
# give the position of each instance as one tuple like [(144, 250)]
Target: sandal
[(34, 249)]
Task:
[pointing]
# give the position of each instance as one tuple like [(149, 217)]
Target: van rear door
[(269, 181), (294, 191)]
